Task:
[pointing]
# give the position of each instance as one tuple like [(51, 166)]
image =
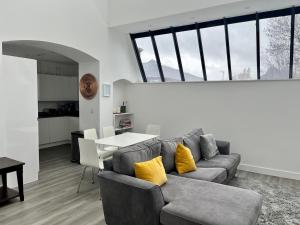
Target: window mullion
[(257, 46), (138, 57), (201, 52), (227, 49), (157, 57), (292, 43), (178, 55)]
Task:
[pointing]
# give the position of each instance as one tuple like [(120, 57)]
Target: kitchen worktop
[(48, 115)]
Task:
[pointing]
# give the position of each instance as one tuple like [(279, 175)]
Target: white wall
[(260, 119), (123, 61), (2, 115), (77, 24), (20, 107), (120, 92)]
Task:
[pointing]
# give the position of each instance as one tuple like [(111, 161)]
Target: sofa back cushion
[(208, 145), (192, 141), (125, 158), (168, 150)]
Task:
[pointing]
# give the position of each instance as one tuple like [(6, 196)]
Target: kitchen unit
[(57, 88), (58, 96), (56, 130)]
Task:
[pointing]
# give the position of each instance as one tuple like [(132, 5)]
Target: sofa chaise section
[(192, 202)]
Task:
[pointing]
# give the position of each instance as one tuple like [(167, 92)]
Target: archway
[(89, 109)]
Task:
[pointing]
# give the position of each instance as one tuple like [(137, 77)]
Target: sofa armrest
[(223, 147), (129, 201)]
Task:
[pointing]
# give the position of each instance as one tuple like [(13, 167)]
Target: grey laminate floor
[(53, 199)]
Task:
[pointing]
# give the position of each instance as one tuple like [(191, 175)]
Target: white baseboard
[(54, 144), (270, 171)]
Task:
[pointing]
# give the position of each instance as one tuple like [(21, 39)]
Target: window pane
[(242, 38), (148, 59), (214, 47), (167, 55), (296, 67), (275, 36), (190, 55)]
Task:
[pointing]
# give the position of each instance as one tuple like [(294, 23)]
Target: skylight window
[(169, 63), (275, 37), (148, 59), (213, 40), (259, 46), (242, 38), (190, 55)]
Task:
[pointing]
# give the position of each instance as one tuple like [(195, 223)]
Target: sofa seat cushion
[(192, 202), (228, 162), (217, 175)]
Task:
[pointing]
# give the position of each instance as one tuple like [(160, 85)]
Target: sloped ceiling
[(130, 11), (130, 16)]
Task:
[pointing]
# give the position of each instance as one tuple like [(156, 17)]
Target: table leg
[(20, 184), (4, 183)]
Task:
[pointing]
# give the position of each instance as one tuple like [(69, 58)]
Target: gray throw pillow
[(168, 150), (208, 145)]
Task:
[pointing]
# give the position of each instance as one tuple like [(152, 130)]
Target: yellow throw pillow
[(184, 160), (152, 170)]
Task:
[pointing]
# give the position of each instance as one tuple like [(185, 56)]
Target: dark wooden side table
[(8, 165)]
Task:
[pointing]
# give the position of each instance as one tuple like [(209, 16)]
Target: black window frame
[(291, 11)]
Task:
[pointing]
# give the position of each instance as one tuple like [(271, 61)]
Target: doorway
[(56, 108)]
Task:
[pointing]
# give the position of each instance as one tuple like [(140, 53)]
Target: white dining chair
[(153, 129), (108, 131), (90, 134), (88, 157)]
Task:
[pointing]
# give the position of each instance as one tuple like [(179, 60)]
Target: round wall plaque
[(88, 86)]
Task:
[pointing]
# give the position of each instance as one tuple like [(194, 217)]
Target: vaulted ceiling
[(130, 11), (140, 15)]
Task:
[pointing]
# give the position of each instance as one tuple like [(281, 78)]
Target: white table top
[(125, 139)]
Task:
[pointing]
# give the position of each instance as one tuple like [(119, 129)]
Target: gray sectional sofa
[(194, 198)]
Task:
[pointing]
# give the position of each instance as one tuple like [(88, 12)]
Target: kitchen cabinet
[(58, 88), (47, 67), (44, 138), (57, 129)]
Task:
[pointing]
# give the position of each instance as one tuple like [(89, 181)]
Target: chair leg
[(100, 194), (82, 176), (93, 176)]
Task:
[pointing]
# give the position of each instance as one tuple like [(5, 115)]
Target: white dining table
[(125, 139)]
